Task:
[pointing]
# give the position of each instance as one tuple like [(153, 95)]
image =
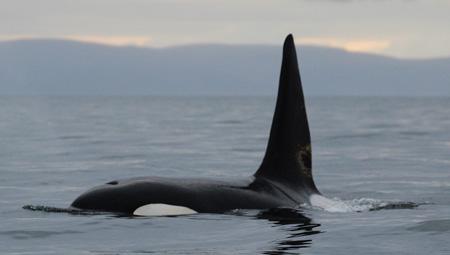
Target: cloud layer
[(393, 27)]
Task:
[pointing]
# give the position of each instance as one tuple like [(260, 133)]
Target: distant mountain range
[(58, 67)]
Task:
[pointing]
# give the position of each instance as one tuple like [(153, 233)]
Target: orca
[(284, 178)]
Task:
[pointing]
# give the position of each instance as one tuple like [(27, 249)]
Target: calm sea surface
[(368, 153)]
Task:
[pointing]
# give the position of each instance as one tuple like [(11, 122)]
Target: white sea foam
[(355, 205)]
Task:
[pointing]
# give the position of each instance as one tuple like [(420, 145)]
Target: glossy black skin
[(206, 196), (284, 178)]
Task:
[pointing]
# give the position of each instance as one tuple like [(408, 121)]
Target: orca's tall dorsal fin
[(288, 153)]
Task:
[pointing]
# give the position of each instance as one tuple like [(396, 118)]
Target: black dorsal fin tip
[(288, 153)]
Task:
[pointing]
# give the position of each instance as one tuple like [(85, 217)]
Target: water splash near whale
[(320, 202)]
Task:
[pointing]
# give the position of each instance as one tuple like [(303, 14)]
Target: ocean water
[(384, 164)]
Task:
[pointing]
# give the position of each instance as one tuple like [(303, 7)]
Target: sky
[(398, 28)]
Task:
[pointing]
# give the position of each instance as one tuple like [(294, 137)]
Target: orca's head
[(112, 197)]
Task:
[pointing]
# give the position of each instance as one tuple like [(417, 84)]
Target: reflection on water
[(298, 226), (293, 222)]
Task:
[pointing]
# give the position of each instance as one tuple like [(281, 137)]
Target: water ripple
[(436, 226), (35, 234)]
